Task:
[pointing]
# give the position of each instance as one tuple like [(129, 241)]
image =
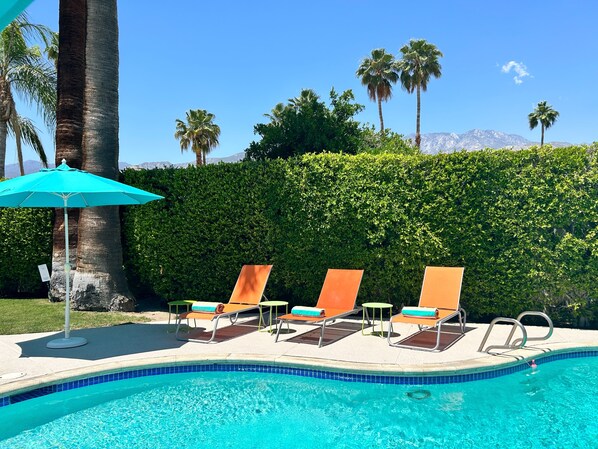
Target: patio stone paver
[(133, 345)]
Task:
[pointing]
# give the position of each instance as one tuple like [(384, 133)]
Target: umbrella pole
[(67, 341), (67, 275)]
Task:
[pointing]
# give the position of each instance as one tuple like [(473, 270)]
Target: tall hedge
[(523, 223), (25, 243)]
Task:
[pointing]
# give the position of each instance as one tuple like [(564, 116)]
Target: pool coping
[(485, 367)]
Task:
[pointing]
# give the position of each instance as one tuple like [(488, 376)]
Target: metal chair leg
[(322, 334)]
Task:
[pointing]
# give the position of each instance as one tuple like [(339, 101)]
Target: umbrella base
[(63, 343)]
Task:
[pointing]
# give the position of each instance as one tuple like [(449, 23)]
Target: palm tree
[(419, 63), (99, 282), (69, 125), (378, 73), (276, 114), (305, 98), (70, 62), (543, 114), (24, 71), (200, 133)]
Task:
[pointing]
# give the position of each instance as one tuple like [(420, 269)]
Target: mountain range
[(432, 143), (474, 140), (12, 170)]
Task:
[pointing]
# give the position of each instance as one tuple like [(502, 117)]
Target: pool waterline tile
[(320, 373)]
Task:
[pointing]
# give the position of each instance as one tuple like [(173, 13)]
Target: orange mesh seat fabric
[(340, 289), (250, 285), (441, 287)]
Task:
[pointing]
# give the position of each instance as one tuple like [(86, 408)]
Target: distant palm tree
[(23, 70), (419, 63), (543, 114), (306, 97), (200, 133), (378, 73), (276, 113)]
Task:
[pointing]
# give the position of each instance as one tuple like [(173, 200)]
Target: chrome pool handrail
[(532, 313), (507, 345), (520, 342)]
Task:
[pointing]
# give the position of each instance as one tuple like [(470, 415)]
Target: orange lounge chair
[(441, 290), (247, 294), (337, 298)]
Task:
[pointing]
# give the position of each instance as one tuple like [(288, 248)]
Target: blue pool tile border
[(394, 379)]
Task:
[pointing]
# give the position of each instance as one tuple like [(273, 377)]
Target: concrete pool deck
[(28, 364)]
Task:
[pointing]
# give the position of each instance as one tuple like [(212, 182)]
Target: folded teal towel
[(307, 311), (421, 312), (208, 307)]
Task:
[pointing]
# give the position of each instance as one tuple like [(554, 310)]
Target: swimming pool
[(552, 407)]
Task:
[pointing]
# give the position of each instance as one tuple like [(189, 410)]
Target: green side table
[(380, 306), (271, 305), (174, 306)]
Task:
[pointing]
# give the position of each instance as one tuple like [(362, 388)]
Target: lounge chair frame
[(321, 323), (233, 316), (231, 310), (446, 313), (322, 303), (438, 325)]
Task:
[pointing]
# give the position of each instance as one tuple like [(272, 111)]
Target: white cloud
[(519, 68)]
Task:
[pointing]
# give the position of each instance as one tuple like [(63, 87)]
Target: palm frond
[(378, 73), (24, 69), (33, 31), (36, 84), (30, 135), (544, 114), (200, 132)]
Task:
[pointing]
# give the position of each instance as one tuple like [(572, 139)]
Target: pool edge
[(485, 367)]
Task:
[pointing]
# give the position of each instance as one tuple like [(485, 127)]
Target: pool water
[(555, 406)]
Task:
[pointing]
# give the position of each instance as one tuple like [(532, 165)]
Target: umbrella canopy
[(9, 9), (64, 187), (52, 187)]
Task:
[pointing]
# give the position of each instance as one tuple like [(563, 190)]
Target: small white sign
[(43, 272)]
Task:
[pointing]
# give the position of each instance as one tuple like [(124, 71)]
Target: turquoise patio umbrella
[(64, 187), (10, 9)]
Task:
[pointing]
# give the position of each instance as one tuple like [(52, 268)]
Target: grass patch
[(24, 316)]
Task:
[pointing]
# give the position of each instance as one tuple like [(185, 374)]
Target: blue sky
[(237, 59)]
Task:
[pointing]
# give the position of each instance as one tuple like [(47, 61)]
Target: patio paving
[(27, 363)]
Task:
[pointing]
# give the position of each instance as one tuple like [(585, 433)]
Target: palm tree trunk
[(198, 158), (542, 139), (69, 129), (380, 114), (418, 137), (3, 137), (17, 130), (100, 283), (6, 103)]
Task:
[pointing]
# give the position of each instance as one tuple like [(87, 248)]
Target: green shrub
[(26, 242), (523, 223), (193, 243)]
